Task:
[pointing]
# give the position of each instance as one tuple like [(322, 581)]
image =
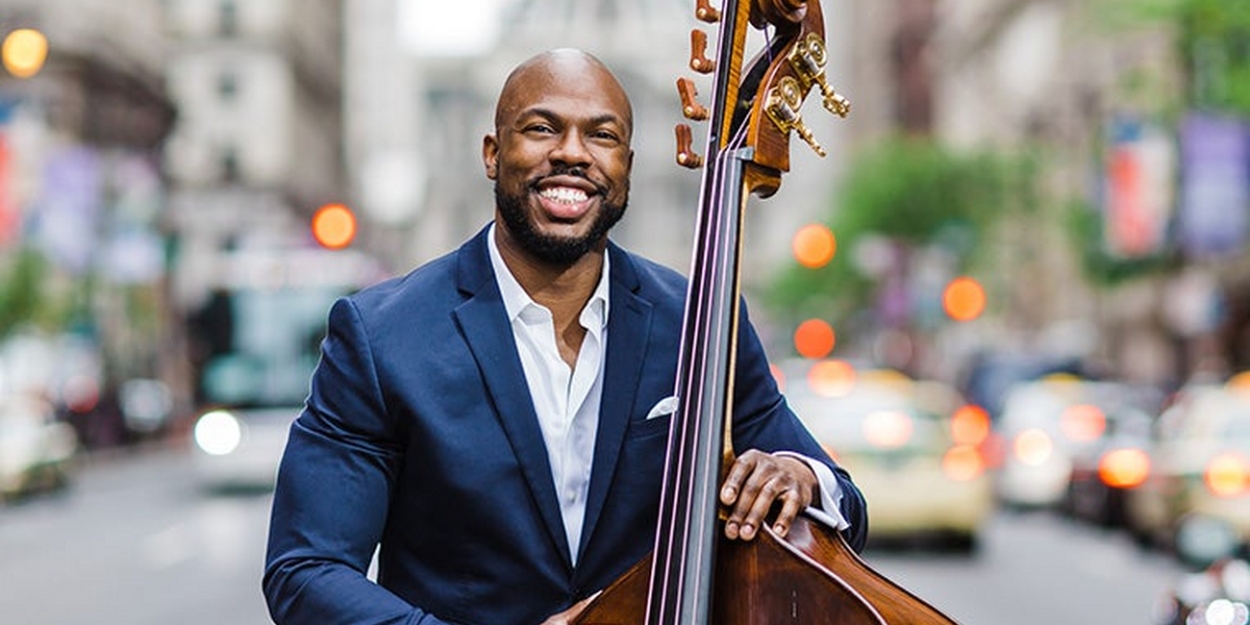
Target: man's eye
[(543, 129), (605, 135)]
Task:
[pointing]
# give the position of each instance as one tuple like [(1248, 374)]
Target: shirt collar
[(515, 300)]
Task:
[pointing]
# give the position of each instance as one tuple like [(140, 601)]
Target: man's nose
[(571, 149)]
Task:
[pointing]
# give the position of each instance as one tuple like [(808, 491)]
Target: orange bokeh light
[(778, 375), (1083, 422), (962, 463), (964, 299), (814, 246), (831, 378), (1227, 475), (1124, 468), (814, 339), (24, 51), (970, 425), (334, 226)]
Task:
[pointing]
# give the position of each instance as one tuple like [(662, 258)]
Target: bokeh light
[(814, 246), (779, 376), (1124, 468), (964, 299), (962, 463), (334, 226), (888, 429), (24, 52), (831, 378), (1240, 381), (1226, 475), (1033, 447), (1083, 422), (814, 339), (970, 425)]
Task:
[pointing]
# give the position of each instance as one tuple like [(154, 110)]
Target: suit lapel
[(629, 328), (484, 325)]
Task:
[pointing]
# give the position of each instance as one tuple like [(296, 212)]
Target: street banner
[(1140, 189), (1215, 185)]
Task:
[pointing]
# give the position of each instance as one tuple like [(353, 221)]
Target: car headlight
[(1033, 447), (1227, 475), (218, 433), (1219, 612)]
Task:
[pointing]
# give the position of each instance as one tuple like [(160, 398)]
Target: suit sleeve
[(333, 491), (763, 420)]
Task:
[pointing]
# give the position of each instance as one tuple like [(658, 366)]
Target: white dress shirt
[(567, 400)]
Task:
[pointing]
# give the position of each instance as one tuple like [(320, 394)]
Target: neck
[(562, 288)]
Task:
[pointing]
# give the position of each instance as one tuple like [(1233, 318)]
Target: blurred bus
[(259, 335)]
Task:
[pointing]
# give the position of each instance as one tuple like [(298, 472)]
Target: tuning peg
[(698, 53), (808, 58), (689, 107), (686, 156), (706, 13), (782, 106), (833, 101)]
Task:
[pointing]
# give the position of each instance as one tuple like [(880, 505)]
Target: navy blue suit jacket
[(419, 434)]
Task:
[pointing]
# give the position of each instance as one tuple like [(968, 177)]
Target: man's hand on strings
[(755, 482)]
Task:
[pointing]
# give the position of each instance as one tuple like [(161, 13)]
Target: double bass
[(694, 575)]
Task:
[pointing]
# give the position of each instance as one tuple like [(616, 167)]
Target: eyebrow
[(605, 118)]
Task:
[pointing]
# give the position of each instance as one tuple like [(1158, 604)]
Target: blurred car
[(1105, 470), (36, 449), (991, 375), (1047, 423), (1197, 492), (240, 437), (920, 467), (1218, 593)]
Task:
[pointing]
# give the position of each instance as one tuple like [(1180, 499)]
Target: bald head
[(555, 68)]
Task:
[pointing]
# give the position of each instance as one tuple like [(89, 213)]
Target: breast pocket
[(645, 428), (655, 421)]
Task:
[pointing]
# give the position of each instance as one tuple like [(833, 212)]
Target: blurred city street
[(1013, 299), (135, 542)]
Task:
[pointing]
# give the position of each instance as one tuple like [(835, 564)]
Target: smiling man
[(494, 423)]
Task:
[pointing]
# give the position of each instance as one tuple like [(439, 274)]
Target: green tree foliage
[(1213, 38), (22, 298), (911, 193)]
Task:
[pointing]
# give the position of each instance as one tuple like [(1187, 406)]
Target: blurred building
[(646, 43), (82, 124), (258, 143), (1062, 82), (1087, 97), (257, 149), (383, 107)]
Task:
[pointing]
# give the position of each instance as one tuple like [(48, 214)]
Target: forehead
[(567, 86)]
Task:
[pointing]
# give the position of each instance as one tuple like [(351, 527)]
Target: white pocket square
[(665, 407)]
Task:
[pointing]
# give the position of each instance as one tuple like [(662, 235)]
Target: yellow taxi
[(913, 447), (1196, 497)]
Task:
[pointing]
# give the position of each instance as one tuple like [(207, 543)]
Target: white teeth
[(566, 195)]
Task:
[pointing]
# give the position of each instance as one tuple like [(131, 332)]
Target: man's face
[(560, 157)]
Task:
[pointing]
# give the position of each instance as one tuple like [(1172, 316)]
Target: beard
[(551, 249)]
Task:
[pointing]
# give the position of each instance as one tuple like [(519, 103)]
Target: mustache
[(572, 171)]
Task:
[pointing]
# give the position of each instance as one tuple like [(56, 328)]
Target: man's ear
[(490, 155)]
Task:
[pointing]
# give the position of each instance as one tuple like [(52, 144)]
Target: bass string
[(675, 536), (711, 301)]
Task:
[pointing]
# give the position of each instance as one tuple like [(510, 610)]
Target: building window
[(227, 86), (229, 166), (228, 16)]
